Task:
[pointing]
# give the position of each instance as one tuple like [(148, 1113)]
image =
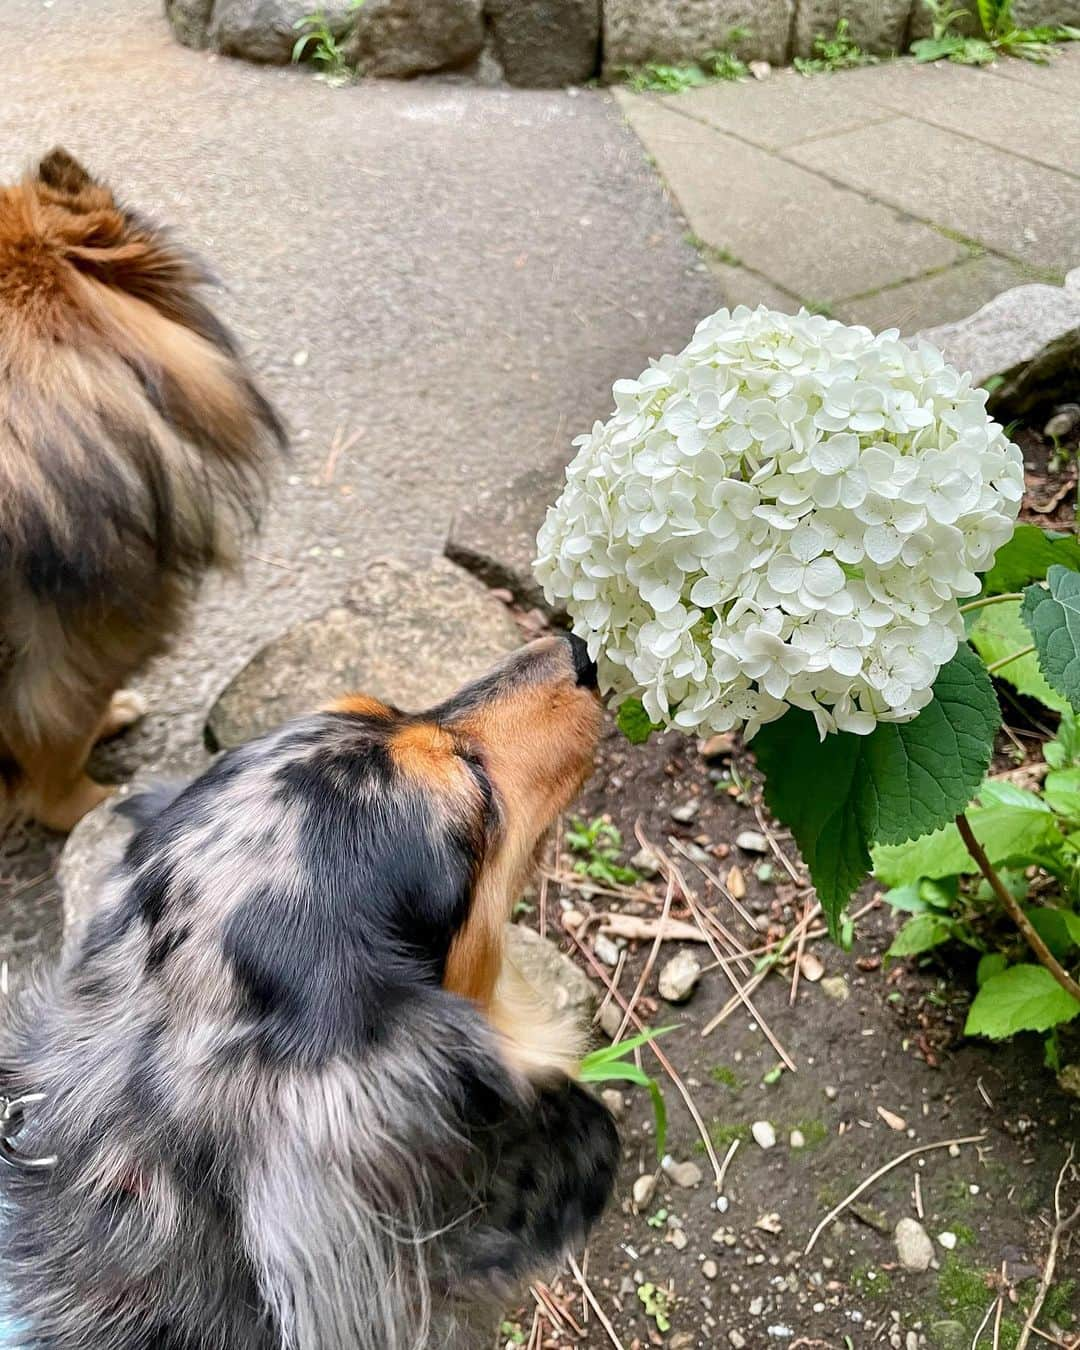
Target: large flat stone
[(1019, 208), (1060, 76), (637, 31), (740, 286), (936, 299), (410, 633), (411, 37), (545, 43), (977, 104), (877, 26), (784, 110), (814, 239), (1031, 336)]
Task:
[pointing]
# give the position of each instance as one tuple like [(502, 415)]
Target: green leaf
[(300, 46), (993, 963), (921, 934), (997, 632), (609, 1054), (936, 49), (1063, 752), (634, 722), (1008, 832), (1053, 619), (1061, 792), (1058, 928), (841, 795), (1022, 998), (1027, 557)]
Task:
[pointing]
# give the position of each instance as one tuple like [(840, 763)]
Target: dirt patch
[(865, 1040)]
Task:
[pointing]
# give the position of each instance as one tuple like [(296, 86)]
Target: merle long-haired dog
[(133, 451), (294, 1095)]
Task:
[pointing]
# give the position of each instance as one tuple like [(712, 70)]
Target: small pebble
[(721, 1204), (760, 70), (645, 862), (738, 1341), (947, 1240), (832, 1093), (893, 1121), (685, 812), (780, 1332), (1064, 420), (710, 1269), (810, 967), (611, 1020), (684, 1174), (764, 1134), (679, 977), (606, 950), (913, 1245), (954, 1150), (751, 841), (723, 743), (614, 1101), (678, 1239), (836, 988), (644, 1189), (798, 1139), (757, 1306)]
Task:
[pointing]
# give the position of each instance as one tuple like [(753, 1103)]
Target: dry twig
[(601, 1316), (1062, 1227), (837, 1210)]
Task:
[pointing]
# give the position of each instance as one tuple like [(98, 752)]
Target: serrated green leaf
[(921, 934), (1022, 998), (997, 633), (1027, 557), (841, 795), (634, 722), (1008, 833), (1063, 752), (1053, 619), (993, 963)]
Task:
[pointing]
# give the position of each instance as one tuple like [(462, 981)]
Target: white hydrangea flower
[(786, 514)]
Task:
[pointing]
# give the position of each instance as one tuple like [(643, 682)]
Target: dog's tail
[(132, 436)]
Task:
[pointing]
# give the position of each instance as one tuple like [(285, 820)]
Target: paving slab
[(810, 237), (1026, 118), (938, 298), (739, 286), (1024, 210), (784, 110), (1060, 75)]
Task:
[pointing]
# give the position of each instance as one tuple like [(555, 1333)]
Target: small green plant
[(656, 77), (599, 846), (1001, 35), (657, 1305), (609, 1065), (836, 52), (511, 1333), (1032, 838), (318, 38), (657, 1220)]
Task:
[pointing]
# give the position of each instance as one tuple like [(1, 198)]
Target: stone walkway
[(897, 194)]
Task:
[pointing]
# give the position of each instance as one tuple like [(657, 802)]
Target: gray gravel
[(464, 271)]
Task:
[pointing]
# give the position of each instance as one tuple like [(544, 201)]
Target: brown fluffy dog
[(133, 448)]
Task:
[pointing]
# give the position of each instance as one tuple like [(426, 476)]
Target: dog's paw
[(125, 709)]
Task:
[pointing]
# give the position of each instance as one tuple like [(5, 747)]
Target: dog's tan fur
[(133, 451)]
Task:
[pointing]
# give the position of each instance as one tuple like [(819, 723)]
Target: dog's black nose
[(584, 665)]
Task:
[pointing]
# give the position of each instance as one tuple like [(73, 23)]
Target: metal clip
[(12, 1119)]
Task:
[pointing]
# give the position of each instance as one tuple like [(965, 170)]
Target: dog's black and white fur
[(285, 1108)]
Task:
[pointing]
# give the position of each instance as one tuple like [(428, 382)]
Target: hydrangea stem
[(990, 600), (995, 666), (1012, 907)]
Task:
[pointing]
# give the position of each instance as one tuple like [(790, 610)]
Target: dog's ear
[(63, 173)]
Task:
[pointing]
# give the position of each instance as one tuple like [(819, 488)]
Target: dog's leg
[(54, 787)]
